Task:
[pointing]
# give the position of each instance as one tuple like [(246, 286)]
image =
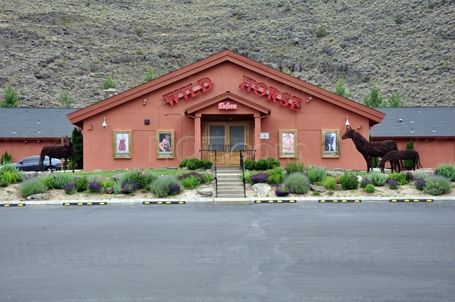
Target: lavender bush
[(259, 178), (392, 183)]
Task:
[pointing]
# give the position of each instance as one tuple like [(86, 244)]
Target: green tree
[(374, 99), (78, 148), (409, 163), (150, 75), (65, 99), (11, 99), (109, 83), (340, 88), (395, 100)]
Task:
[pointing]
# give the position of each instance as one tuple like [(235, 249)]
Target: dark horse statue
[(369, 149), (64, 151), (396, 158)]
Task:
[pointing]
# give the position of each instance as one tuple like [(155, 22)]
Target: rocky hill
[(47, 47)]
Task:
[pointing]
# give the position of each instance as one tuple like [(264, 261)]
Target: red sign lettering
[(190, 90), (272, 94)]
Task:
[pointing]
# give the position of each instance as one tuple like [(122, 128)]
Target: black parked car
[(31, 163)]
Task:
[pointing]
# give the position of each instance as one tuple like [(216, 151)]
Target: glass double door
[(227, 139)]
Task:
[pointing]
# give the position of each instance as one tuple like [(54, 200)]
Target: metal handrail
[(243, 173)]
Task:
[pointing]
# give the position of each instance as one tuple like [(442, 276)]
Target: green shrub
[(365, 182), (294, 167), (9, 175), (59, 180), (329, 182), (165, 185), (249, 164), (266, 164), (31, 187), (190, 182), (196, 175), (5, 159), (437, 185), (194, 164), (261, 165), (377, 179), (206, 164), (81, 183), (108, 186), (447, 170), (349, 181), (248, 175), (316, 174), (297, 183), (207, 178), (138, 176), (272, 163), (369, 188), (401, 178), (275, 176), (184, 162)]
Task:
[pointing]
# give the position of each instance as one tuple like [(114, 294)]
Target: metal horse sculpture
[(64, 151), (396, 158), (369, 149)]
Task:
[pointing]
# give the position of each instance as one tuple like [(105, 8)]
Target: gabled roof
[(35, 122), (216, 59), (228, 95), (416, 122)]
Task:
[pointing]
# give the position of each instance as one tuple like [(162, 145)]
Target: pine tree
[(150, 75), (78, 148), (65, 99), (11, 99), (340, 88), (395, 100), (109, 83), (375, 99)]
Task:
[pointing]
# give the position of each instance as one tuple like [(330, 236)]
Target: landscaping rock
[(334, 173), (205, 192), (42, 196), (261, 189), (319, 189)]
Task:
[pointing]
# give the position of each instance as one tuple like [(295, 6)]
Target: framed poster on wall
[(165, 143), (122, 144), (288, 143), (330, 143)]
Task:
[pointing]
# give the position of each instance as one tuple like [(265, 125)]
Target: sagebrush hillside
[(47, 47)]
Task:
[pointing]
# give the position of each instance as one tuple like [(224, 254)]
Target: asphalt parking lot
[(201, 252)]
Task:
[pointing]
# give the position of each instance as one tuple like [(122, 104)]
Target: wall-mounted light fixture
[(104, 124), (144, 102), (90, 127), (347, 124)]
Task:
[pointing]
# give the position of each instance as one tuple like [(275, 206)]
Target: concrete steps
[(230, 184)]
